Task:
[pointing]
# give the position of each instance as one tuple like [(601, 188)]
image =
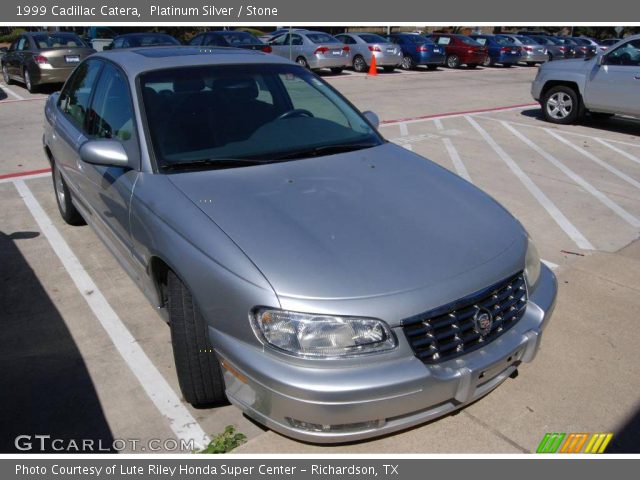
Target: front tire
[(488, 62), (453, 61), (561, 104), (198, 369), (68, 211)]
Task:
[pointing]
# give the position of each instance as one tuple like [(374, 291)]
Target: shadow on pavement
[(45, 387), (623, 125), (626, 439)]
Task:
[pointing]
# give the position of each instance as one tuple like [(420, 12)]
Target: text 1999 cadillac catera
[(347, 287)]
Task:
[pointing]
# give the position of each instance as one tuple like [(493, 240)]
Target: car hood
[(362, 224), (572, 64)]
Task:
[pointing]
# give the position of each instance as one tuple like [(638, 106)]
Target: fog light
[(344, 427)]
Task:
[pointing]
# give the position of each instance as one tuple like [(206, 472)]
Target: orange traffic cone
[(373, 69)]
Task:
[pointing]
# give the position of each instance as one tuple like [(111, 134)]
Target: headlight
[(532, 264), (322, 335)]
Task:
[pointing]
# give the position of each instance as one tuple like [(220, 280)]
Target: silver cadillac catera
[(332, 285)]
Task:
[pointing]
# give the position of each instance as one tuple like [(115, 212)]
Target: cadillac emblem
[(483, 321)]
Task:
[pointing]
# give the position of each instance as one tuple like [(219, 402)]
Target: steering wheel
[(296, 112)]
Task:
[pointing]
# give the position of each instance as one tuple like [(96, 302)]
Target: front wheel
[(561, 104), (198, 369), (68, 211), (487, 62), (453, 61)]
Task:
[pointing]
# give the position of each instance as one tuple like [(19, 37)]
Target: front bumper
[(347, 403)]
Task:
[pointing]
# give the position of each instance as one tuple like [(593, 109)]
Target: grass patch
[(225, 442)]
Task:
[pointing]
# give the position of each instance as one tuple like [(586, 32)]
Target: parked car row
[(37, 58)]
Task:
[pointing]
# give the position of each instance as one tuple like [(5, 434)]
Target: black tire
[(5, 75), (453, 61), (337, 70), (407, 63), (360, 64), (432, 67), (389, 69), (198, 369), (68, 211), (28, 82), (472, 65), (302, 62), (562, 104), (488, 62)]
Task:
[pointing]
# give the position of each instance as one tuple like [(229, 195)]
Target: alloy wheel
[(359, 65), (559, 105), (59, 188)]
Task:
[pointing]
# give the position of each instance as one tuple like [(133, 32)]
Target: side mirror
[(109, 153), (373, 118), (600, 60)]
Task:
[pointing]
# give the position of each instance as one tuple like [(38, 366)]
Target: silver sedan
[(532, 51), (314, 50), (331, 284), (363, 46)]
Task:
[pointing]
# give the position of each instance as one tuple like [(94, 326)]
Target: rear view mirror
[(373, 118), (110, 153)]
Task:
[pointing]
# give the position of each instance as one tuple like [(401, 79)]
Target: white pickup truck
[(605, 85)]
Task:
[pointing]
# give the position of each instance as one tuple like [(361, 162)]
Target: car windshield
[(238, 115), (240, 38), (58, 40), (372, 38), (321, 38)]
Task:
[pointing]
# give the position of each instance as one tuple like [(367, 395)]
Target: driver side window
[(626, 55)]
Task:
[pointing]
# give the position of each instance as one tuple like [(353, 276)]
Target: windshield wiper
[(324, 150), (213, 163)]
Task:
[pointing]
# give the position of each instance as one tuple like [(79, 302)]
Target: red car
[(460, 50)]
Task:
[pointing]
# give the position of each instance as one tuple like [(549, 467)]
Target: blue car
[(501, 50), (418, 50)]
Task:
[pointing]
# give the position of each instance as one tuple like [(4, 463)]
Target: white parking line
[(551, 265), (619, 151), (456, 160), (404, 131), (8, 91), (156, 387), (617, 209), (438, 123), (563, 222), (595, 159), (564, 132)]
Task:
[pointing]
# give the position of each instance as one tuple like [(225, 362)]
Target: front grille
[(452, 330)]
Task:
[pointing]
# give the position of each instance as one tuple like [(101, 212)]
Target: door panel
[(614, 86)]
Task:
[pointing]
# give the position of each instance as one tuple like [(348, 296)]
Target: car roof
[(142, 59)]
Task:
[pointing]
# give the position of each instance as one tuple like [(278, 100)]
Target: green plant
[(11, 36), (225, 441)]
